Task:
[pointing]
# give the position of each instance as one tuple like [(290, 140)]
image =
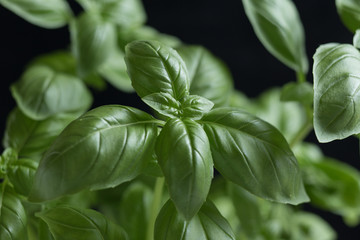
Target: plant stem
[(300, 77), (155, 206), (303, 132)]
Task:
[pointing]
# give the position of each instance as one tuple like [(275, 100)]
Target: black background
[(220, 26)]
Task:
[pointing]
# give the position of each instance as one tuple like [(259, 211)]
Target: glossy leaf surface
[(41, 93), (163, 103), (209, 76), (208, 224), (349, 11), (154, 67), (13, 218), (195, 107), (184, 156), (21, 174), (93, 41), (336, 92), (253, 154), (278, 27), (44, 13), (30, 138), (103, 148), (69, 223)]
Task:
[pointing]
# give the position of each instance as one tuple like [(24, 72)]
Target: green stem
[(300, 76), (304, 131), (155, 206)]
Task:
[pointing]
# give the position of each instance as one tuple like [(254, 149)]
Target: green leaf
[(349, 11), (196, 106), (103, 148), (135, 207), (356, 40), (126, 36), (93, 41), (58, 61), (208, 224), (21, 174), (184, 156), (336, 91), (69, 223), (209, 76), (44, 13), (114, 71), (41, 92), (278, 27), (163, 103), (298, 92), (13, 218), (253, 154), (154, 67), (31, 138), (247, 208), (331, 185), (288, 117)]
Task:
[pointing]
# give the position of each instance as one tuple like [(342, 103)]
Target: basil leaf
[(93, 41), (163, 103), (299, 92), (13, 218), (114, 71), (105, 147), (42, 93), (278, 27), (126, 36), (31, 138), (349, 11), (154, 67), (253, 154), (209, 76), (135, 207), (21, 174), (67, 222), (332, 185), (58, 61), (184, 156), (356, 40), (207, 224), (195, 106), (44, 13), (336, 91)]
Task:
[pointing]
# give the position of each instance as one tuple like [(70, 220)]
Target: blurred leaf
[(298, 92), (278, 26), (44, 13), (41, 93), (93, 41), (336, 91), (67, 223), (349, 11), (356, 40), (209, 76)]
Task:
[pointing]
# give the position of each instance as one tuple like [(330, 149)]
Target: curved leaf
[(298, 92), (208, 224), (278, 26), (209, 76), (356, 39), (58, 61), (349, 11), (114, 71), (336, 91), (42, 93), (93, 41), (21, 174), (195, 107), (163, 103), (12, 216), (31, 138), (154, 67), (105, 147), (253, 154), (68, 223), (184, 156), (44, 13)]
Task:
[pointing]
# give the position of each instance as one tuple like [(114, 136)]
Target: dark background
[(220, 26)]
